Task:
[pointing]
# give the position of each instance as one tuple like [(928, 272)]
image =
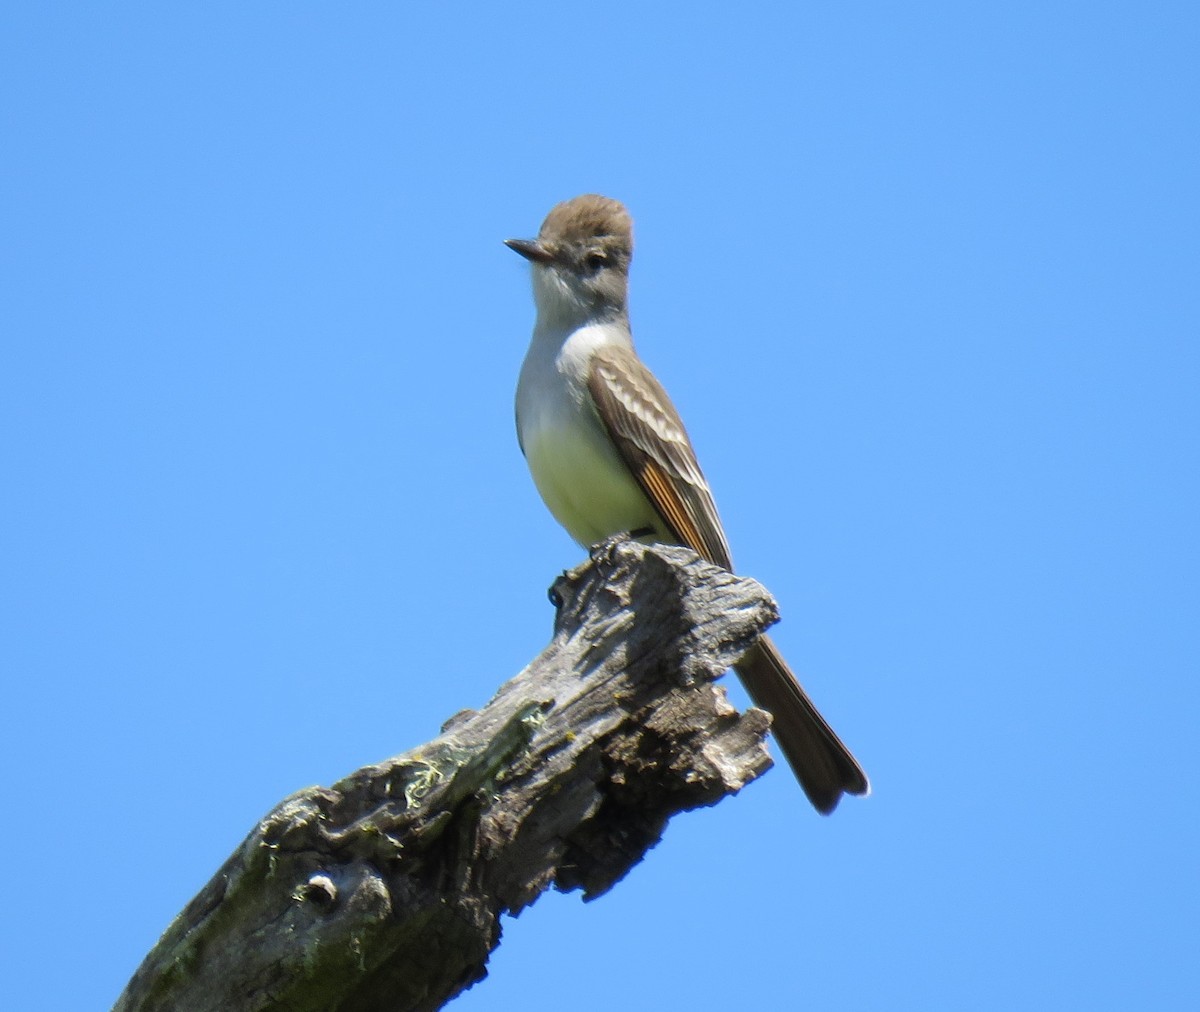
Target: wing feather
[(649, 434)]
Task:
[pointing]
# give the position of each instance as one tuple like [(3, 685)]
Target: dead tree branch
[(384, 891)]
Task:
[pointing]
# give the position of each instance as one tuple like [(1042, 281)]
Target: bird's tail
[(823, 765)]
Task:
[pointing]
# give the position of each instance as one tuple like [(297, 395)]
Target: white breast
[(574, 464)]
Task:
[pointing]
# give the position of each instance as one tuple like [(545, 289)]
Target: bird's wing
[(649, 434)]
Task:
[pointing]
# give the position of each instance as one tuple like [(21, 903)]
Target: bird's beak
[(530, 249)]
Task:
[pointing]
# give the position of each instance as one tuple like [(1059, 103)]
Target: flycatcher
[(609, 454)]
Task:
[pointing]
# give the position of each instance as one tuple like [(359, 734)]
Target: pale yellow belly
[(586, 486)]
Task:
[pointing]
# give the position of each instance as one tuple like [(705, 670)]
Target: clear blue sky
[(923, 278)]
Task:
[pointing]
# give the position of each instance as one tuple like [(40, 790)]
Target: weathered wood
[(384, 891)]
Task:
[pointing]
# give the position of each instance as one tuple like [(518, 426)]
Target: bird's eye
[(595, 260)]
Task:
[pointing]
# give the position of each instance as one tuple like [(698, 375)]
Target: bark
[(384, 891)]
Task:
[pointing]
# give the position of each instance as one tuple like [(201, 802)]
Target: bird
[(609, 453)]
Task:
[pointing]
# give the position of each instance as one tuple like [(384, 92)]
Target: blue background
[(922, 278)]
